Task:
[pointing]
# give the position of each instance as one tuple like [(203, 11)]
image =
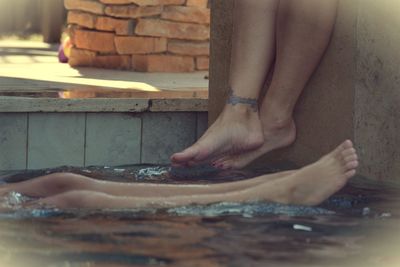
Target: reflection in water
[(357, 227), (83, 92)]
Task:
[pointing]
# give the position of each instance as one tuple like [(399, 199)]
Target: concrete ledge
[(24, 104), (164, 105)]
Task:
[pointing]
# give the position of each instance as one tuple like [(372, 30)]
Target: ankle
[(277, 121), (240, 110), (276, 115)]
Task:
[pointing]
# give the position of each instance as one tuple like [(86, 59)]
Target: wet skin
[(309, 185)]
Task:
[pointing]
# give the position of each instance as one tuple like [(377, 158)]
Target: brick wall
[(140, 35)]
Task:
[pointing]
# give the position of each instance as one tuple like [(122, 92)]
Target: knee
[(63, 175), (76, 199), (68, 200), (61, 182)]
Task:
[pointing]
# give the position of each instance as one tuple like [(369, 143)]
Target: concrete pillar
[(354, 93), (377, 92), (221, 44)]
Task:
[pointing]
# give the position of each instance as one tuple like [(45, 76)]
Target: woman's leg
[(308, 186), (238, 128), (48, 185), (59, 183), (304, 28)]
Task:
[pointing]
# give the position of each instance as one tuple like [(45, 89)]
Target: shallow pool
[(359, 226)]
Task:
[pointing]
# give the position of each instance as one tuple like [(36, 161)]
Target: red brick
[(162, 63), (94, 41), (198, 3), (82, 19), (187, 14), (162, 28), (85, 5), (140, 63), (158, 2), (81, 57), (116, 2), (145, 2), (133, 11), (112, 62), (85, 58), (140, 45), (202, 63), (189, 48), (119, 26)]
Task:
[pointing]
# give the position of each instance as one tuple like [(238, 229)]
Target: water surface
[(359, 226)]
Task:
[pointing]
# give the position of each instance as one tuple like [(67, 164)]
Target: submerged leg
[(48, 185), (238, 128), (303, 32), (308, 186), (59, 183)]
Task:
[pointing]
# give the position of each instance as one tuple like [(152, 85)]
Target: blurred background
[(32, 19)]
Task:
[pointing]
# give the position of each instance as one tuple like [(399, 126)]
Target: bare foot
[(314, 183), (275, 136), (237, 130)]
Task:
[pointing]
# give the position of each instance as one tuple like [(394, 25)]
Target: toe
[(350, 174), (347, 144), (352, 165), (338, 151), (225, 165), (348, 152), (186, 155), (225, 162), (220, 160), (229, 165), (351, 157)]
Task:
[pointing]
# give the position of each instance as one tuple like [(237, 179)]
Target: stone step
[(45, 140)]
